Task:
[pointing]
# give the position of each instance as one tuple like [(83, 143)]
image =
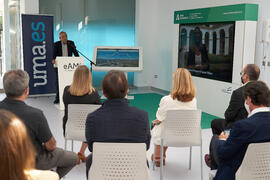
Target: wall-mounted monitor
[(207, 49), (122, 58)]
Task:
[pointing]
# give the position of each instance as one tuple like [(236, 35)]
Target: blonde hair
[(183, 88), (16, 149), (82, 82)]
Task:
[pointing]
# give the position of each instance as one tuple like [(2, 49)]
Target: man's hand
[(50, 145), (53, 61), (223, 136), (155, 122)]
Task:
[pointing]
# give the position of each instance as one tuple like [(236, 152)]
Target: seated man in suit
[(63, 47), (48, 156), (254, 129), (115, 120), (235, 111)]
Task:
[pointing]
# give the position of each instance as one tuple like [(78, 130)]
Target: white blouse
[(168, 103)]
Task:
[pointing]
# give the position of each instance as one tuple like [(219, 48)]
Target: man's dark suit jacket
[(116, 121), (57, 50), (236, 109), (231, 152)]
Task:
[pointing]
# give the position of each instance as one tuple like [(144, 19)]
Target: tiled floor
[(177, 158)]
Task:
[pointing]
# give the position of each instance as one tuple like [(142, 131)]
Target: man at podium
[(63, 47)]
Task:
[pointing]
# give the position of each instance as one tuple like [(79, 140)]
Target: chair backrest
[(182, 128), (256, 163), (119, 161), (77, 114)]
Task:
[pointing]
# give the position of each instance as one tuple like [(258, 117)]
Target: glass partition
[(91, 23)]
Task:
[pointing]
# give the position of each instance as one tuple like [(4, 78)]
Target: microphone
[(74, 48)]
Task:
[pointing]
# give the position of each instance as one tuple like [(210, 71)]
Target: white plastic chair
[(119, 161), (75, 127), (256, 163), (182, 128)]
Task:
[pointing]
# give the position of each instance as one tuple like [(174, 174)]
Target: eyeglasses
[(242, 73)]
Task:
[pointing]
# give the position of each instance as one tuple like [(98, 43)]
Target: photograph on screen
[(117, 57), (206, 50)]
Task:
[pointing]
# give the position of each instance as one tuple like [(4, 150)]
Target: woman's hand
[(155, 122)]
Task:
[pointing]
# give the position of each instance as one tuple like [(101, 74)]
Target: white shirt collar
[(261, 109)]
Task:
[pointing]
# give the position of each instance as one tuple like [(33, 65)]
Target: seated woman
[(81, 91), (182, 96), (17, 151)]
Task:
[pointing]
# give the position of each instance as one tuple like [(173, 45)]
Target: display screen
[(117, 57), (206, 50)]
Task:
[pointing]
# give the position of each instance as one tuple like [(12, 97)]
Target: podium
[(66, 67)]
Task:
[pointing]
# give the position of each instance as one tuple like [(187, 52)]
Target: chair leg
[(154, 158), (201, 163), (161, 160), (72, 145), (190, 155)]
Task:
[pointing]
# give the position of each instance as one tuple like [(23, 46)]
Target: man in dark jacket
[(63, 47), (115, 120), (254, 129), (235, 112)]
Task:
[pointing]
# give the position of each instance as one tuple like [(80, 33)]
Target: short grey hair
[(15, 82)]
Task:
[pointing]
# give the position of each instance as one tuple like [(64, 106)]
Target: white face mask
[(247, 107)]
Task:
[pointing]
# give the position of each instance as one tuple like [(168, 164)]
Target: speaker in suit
[(63, 47)]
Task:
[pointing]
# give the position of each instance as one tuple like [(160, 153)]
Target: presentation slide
[(206, 49), (117, 58)]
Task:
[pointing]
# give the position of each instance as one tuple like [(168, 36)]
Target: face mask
[(247, 107)]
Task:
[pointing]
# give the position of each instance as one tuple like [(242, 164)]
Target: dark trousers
[(88, 164), (217, 126), (213, 153), (56, 84)]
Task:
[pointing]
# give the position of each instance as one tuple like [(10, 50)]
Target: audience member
[(48, 155), (235, 111), (81, 91), (254, 129), (115, 120), (182, 96), (17, 152)]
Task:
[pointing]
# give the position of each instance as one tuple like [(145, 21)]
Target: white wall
[(155, 28), (155, 33)]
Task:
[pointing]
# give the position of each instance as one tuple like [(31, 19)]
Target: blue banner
[(37, 34)]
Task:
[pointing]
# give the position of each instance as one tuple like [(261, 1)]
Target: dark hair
[(62, 32), (253, 72), (115, 84), (15, 82), (258, 92)]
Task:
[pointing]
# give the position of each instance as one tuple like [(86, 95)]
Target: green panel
[(236, 12)]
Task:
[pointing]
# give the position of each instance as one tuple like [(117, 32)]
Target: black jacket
[(116, 121), (57, 49), (236, 109)]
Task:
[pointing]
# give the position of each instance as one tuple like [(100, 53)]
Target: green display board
[(237, 12)]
